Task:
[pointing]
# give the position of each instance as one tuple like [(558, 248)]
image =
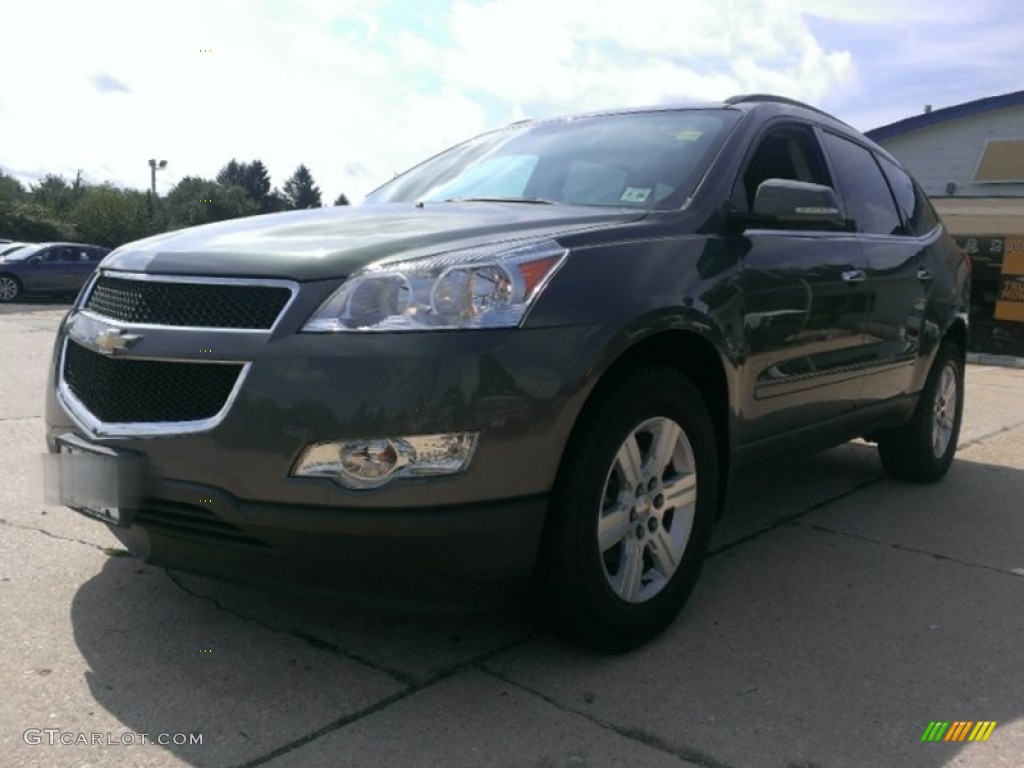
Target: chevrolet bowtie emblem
[(114, 340)]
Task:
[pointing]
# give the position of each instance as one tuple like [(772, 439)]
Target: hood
[(333, 242)]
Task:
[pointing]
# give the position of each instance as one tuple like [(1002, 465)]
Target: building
[(969, 159)]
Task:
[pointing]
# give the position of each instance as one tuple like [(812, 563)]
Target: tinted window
[(635, 160), (868, 199), (96, 254), (916, 209), (784, 153)]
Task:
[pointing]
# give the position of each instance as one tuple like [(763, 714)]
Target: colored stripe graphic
[(982, 730), (958, 730)]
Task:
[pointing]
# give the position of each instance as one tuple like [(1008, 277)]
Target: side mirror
[(786, 204)]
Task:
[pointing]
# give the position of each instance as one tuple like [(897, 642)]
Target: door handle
[(854, 276), (924, 275)]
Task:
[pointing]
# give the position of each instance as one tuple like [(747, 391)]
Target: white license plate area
[(90, 482)]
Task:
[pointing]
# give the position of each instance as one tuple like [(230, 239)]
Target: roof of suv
[(749, 102)]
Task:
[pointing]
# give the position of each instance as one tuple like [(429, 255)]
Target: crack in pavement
[(792, 518), (988, 435), (915, 550), (308, 638), (633, 734), (105, 550), (383, 704), (795, 516)]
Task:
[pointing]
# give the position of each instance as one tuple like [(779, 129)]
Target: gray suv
[(527, 367)]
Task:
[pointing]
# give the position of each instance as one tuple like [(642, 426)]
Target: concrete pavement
[(839, 614)]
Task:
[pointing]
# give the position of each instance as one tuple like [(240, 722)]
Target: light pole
[(153, 166)]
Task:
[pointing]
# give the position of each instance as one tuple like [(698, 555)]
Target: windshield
[(634, 160), (19, 253)]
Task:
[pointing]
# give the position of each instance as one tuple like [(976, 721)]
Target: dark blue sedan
[(52, 268)]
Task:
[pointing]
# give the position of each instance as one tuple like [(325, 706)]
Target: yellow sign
[(1010, 304)]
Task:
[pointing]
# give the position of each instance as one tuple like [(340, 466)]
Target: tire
[(922, 450), (10, 288), (654, 509)]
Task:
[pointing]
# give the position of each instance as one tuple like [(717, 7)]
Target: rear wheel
[(631, 514), (10, 288), (922, 450)]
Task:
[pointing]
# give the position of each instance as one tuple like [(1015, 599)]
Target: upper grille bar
[(189, 302)]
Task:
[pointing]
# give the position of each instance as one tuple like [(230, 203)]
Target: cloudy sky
[(361, 89)]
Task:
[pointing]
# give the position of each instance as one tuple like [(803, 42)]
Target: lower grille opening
[(191, 520), (137, 391)]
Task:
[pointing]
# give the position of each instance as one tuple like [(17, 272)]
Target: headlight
[(490, 287)]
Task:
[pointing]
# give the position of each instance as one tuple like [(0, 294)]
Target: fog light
[(374, 461)]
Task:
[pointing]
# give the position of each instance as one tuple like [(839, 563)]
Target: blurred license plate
[(90, 481)]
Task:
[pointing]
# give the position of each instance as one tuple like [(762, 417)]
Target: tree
[(33, 223), (200, 201), (301, 191), (111, 217), (11, 190), (274, 202), (232, 174), (11, 193), (54, 192), (341, 200), (253, 178), (257, 181)]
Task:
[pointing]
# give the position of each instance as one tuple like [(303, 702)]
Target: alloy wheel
[(944, 418), (8, 289), (647, 509)]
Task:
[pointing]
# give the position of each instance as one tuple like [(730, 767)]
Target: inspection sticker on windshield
[(689, 135), (635, 194)]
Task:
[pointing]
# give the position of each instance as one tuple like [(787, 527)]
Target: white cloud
[(358, 89), (281, 87), (601, 53)]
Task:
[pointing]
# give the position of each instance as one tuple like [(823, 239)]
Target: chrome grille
[(118, 390), (203, 303)]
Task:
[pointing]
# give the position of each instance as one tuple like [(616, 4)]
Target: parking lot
[(838, 615)]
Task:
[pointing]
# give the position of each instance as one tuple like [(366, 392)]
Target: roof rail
[(755, 97)]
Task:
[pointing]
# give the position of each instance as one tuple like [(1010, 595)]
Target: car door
[(804, 303), (82, 264), (897, 282), (912, 267), (73, 263), (42, 273)]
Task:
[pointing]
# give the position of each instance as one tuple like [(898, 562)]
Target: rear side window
[(868, 199), (916, 209)]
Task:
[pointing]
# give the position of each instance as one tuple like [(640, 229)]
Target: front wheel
[(922, 450), (9, 288), (631, 513)]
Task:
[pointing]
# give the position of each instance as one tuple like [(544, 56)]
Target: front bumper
[(461, 555), (223, 502)]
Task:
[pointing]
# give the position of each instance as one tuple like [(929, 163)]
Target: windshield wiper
[(532, 200)]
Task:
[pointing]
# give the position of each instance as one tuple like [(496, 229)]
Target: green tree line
[(60, 209)]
